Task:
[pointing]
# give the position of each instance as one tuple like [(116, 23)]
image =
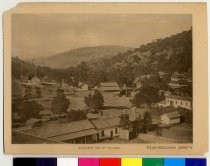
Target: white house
[(170, 118), (109, 87), (177, 101), (107, 128), (178, 81)]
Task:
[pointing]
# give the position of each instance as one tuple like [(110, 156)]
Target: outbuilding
[(109, 87), (170, 118)]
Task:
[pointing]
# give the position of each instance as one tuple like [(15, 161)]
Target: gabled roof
[(172, 114), (106, 123), (109, 84), (78, 134), (55, 128), (184, 98)]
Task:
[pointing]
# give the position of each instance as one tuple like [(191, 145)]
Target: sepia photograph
[(105, 81), (101, 78)]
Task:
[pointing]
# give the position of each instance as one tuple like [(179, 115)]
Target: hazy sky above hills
[(44, 34)]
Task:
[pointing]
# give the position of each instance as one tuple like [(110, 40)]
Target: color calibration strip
[(109, 162)]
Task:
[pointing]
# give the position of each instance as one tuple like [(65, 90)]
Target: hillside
[(172, 54), (76, 56)]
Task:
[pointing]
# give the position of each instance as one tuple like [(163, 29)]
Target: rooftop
[(172, 114), (185, 98), (55, 128), (69, 136), (106, 123), (109, 84)]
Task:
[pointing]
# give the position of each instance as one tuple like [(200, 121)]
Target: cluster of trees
[(180, 48), (60, 103), (139, 125), (94, 101), (76, 115), (147, 95), (26, 106)]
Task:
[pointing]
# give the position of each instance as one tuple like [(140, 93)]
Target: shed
[(170, 118)]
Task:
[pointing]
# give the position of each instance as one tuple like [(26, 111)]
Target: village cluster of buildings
[(87, 131), (99, 129)]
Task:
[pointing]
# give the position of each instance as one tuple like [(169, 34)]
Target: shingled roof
[(55, 128), (109, 84), (106, 123), (172, 114), (185, 98)]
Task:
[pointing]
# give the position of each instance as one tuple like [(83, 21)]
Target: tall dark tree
[(138, 125), (147, 95), (30, 109), (60, 103), (95, 101), (124, 121), (38, 92), (76, 115), (147, 122), (82, 71)]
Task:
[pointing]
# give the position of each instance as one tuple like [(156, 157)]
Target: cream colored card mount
[(106, 78)]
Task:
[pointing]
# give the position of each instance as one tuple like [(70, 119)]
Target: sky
[(42, 35)]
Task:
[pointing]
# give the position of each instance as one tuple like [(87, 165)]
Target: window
[(181, 103), (115, 130), (102, 133), (186, 104)]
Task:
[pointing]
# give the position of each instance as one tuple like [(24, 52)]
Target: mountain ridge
[(76, 56)]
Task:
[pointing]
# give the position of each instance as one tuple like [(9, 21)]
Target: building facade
[(177, 101), (109, 87), (107, 128)]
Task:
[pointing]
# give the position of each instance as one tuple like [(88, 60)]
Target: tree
[(94, 101), (147, 95), (147, 122), (38, 92), (60, 103), (28, 93), (124, 121), (30, 109), (76, 115), (138, 125)]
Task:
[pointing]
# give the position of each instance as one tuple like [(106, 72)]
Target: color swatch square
[(67, 162), (131, 162), (24, 162), (195, 162), (174, 162), (153, 162), (88, 162), (46, 161), (110, 162)]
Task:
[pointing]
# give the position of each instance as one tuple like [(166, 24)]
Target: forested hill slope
[(171, 54)]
